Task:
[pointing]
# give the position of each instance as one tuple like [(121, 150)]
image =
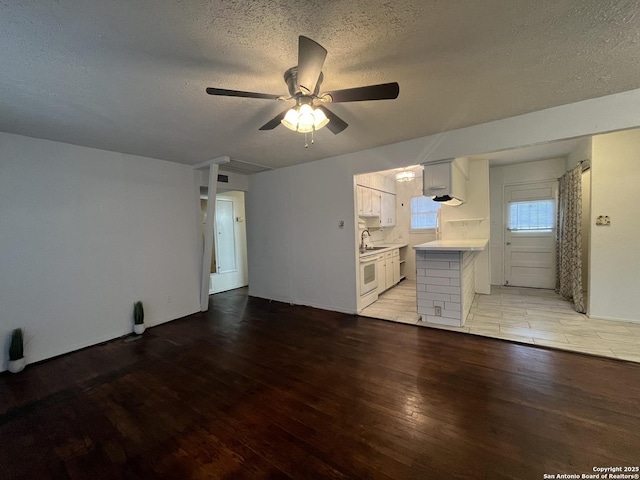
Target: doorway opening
[(229, 268)]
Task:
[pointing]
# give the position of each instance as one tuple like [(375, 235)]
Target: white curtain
[(569, 243)]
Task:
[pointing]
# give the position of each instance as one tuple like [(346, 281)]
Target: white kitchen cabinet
[(437, 176), (388, 271), (369, 201), (388, 210), (376, 202), (365, 206), (395, 265), (381, 273), (376, 199), (445, 178)]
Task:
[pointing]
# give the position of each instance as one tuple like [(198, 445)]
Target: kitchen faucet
[(362, 247)]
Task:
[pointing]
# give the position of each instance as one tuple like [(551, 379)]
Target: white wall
[(615, 261), (401, 233), (538, 171), (293, 217), (475, 206), (580, 153), (296, 249), (84, 234)]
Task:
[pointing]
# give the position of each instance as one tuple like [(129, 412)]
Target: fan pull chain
[(306, 142)]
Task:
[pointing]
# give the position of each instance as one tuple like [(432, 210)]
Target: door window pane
[(532, 215)]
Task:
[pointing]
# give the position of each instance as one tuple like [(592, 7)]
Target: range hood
[(445, 181)]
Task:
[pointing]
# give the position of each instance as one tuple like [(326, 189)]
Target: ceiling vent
[(245, 168)]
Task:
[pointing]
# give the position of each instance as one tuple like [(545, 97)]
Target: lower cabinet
[(395, 263), (388, 273), (381, 272), (388, 270)]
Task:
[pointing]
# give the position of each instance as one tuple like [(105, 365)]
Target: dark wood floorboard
[(258, 389)]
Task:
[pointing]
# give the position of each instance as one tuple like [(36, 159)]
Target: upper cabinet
[(445, 181), (368, 202), (388, 210), (376, 198), (376, 202)]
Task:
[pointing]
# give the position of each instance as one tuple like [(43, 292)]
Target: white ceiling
[(131, 76)]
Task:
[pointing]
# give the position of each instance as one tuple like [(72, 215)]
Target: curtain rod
[(586, 164)]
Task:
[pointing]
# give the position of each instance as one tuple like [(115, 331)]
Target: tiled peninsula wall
[(445, 280)]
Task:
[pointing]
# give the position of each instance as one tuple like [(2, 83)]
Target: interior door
[(225, 237), (230, 243), (530, 234)]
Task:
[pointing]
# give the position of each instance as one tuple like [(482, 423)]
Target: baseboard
[(612, 319), (89, 343), (304, 304), (73, 348)]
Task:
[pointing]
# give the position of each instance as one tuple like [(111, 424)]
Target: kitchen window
[(532, 215), (424, 213)]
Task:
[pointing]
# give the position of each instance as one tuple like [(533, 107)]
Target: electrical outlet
[(438, 311)]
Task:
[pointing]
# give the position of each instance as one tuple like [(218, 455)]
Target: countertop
[(469, 244), (387, 247)]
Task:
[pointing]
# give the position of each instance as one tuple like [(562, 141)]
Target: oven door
[(368, 277)]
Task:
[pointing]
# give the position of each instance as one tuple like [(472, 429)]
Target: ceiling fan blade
[(336, 124), (311, 57), (275, 121), (384, 91), (238, 93)]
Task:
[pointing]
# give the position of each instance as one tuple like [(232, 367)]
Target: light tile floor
[(526, 315)]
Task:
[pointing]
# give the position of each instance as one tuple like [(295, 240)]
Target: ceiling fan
[(303, 81)]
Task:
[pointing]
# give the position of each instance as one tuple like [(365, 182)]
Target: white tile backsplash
[(445, 279)]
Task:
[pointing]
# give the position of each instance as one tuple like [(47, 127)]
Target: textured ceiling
[(131, 76)]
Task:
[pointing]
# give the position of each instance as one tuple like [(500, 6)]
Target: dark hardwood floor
[(254, 389)]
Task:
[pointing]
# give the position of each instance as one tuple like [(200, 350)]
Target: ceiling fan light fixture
[(290, 120), (303, 82), (304, 119), (320, 119)]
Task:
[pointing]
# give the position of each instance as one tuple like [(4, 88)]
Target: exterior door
[(530, 236)]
